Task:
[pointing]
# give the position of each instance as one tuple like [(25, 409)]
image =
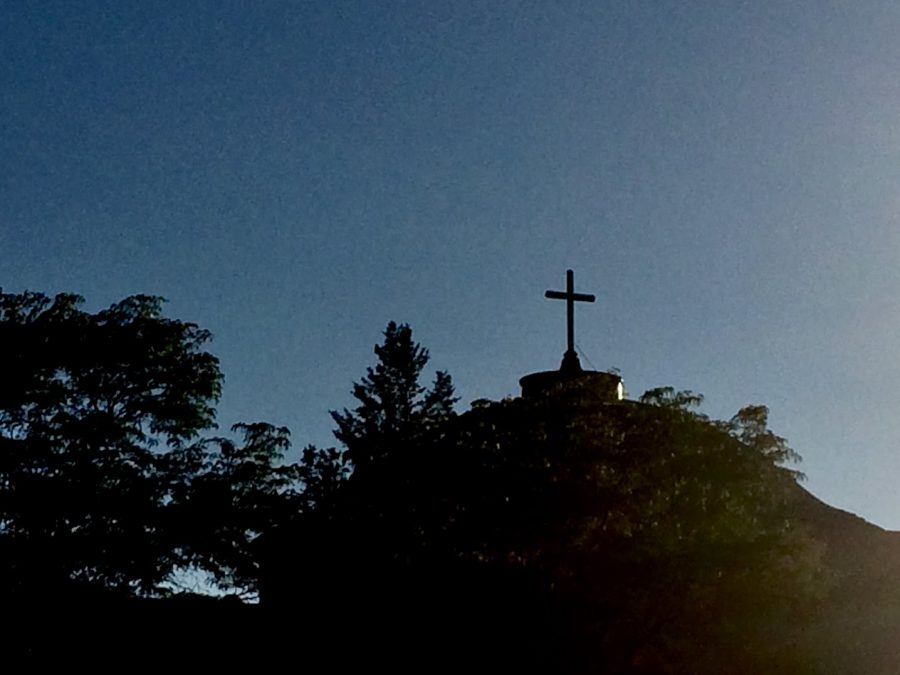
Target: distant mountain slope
[(856, 629), (866, 557)]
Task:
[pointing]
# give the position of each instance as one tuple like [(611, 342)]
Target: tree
[(355, 519), (660, 538), (393, 407), (89, 405), (105, 481), (228, 494), (322, 471), (225, 496)]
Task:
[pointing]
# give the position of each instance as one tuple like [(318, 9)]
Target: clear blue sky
[(724, 176)]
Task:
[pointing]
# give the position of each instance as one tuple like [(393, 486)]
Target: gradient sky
[(724, 176)]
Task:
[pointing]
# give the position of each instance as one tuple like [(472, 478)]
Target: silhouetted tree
[(224, 495), (393, 407), (355, 527), (105, 482), (322, 472), (89, 403), (660, 537), (228, 494)]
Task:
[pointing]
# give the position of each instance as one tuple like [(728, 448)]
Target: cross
[(571, 297)]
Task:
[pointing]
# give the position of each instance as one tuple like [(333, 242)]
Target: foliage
[(224, 496), (88, 404), (656, 517), (105, 482), (605, 528), (393, 407), (322, 472), (659, 536)]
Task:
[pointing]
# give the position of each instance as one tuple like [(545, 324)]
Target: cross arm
[(579, 297)]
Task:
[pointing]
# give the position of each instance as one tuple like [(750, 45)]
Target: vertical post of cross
[(570, 310)]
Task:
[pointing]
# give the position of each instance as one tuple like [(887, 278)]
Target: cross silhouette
[(570, 360)]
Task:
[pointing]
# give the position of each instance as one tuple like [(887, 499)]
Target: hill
[(856, 627), (574, 532), (566, 531)]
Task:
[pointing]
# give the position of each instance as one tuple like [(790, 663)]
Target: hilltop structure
[(486, 537), (599, 386)]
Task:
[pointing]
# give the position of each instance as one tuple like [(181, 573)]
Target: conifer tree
[(394, 408)]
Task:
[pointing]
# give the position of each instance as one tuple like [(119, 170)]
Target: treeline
[(630, 537)]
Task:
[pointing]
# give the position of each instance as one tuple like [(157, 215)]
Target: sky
[(723, 175)]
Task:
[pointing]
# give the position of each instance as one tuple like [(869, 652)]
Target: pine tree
[(393, 407)]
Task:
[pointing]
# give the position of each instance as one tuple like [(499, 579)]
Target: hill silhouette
[(853, 629), (818, 595), (567, 530), (856, 627)]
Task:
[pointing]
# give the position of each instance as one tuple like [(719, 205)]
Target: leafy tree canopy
[(88, 405), (105, 481), (656, 535)]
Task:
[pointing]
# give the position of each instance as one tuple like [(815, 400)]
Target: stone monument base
[(598, 386)]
